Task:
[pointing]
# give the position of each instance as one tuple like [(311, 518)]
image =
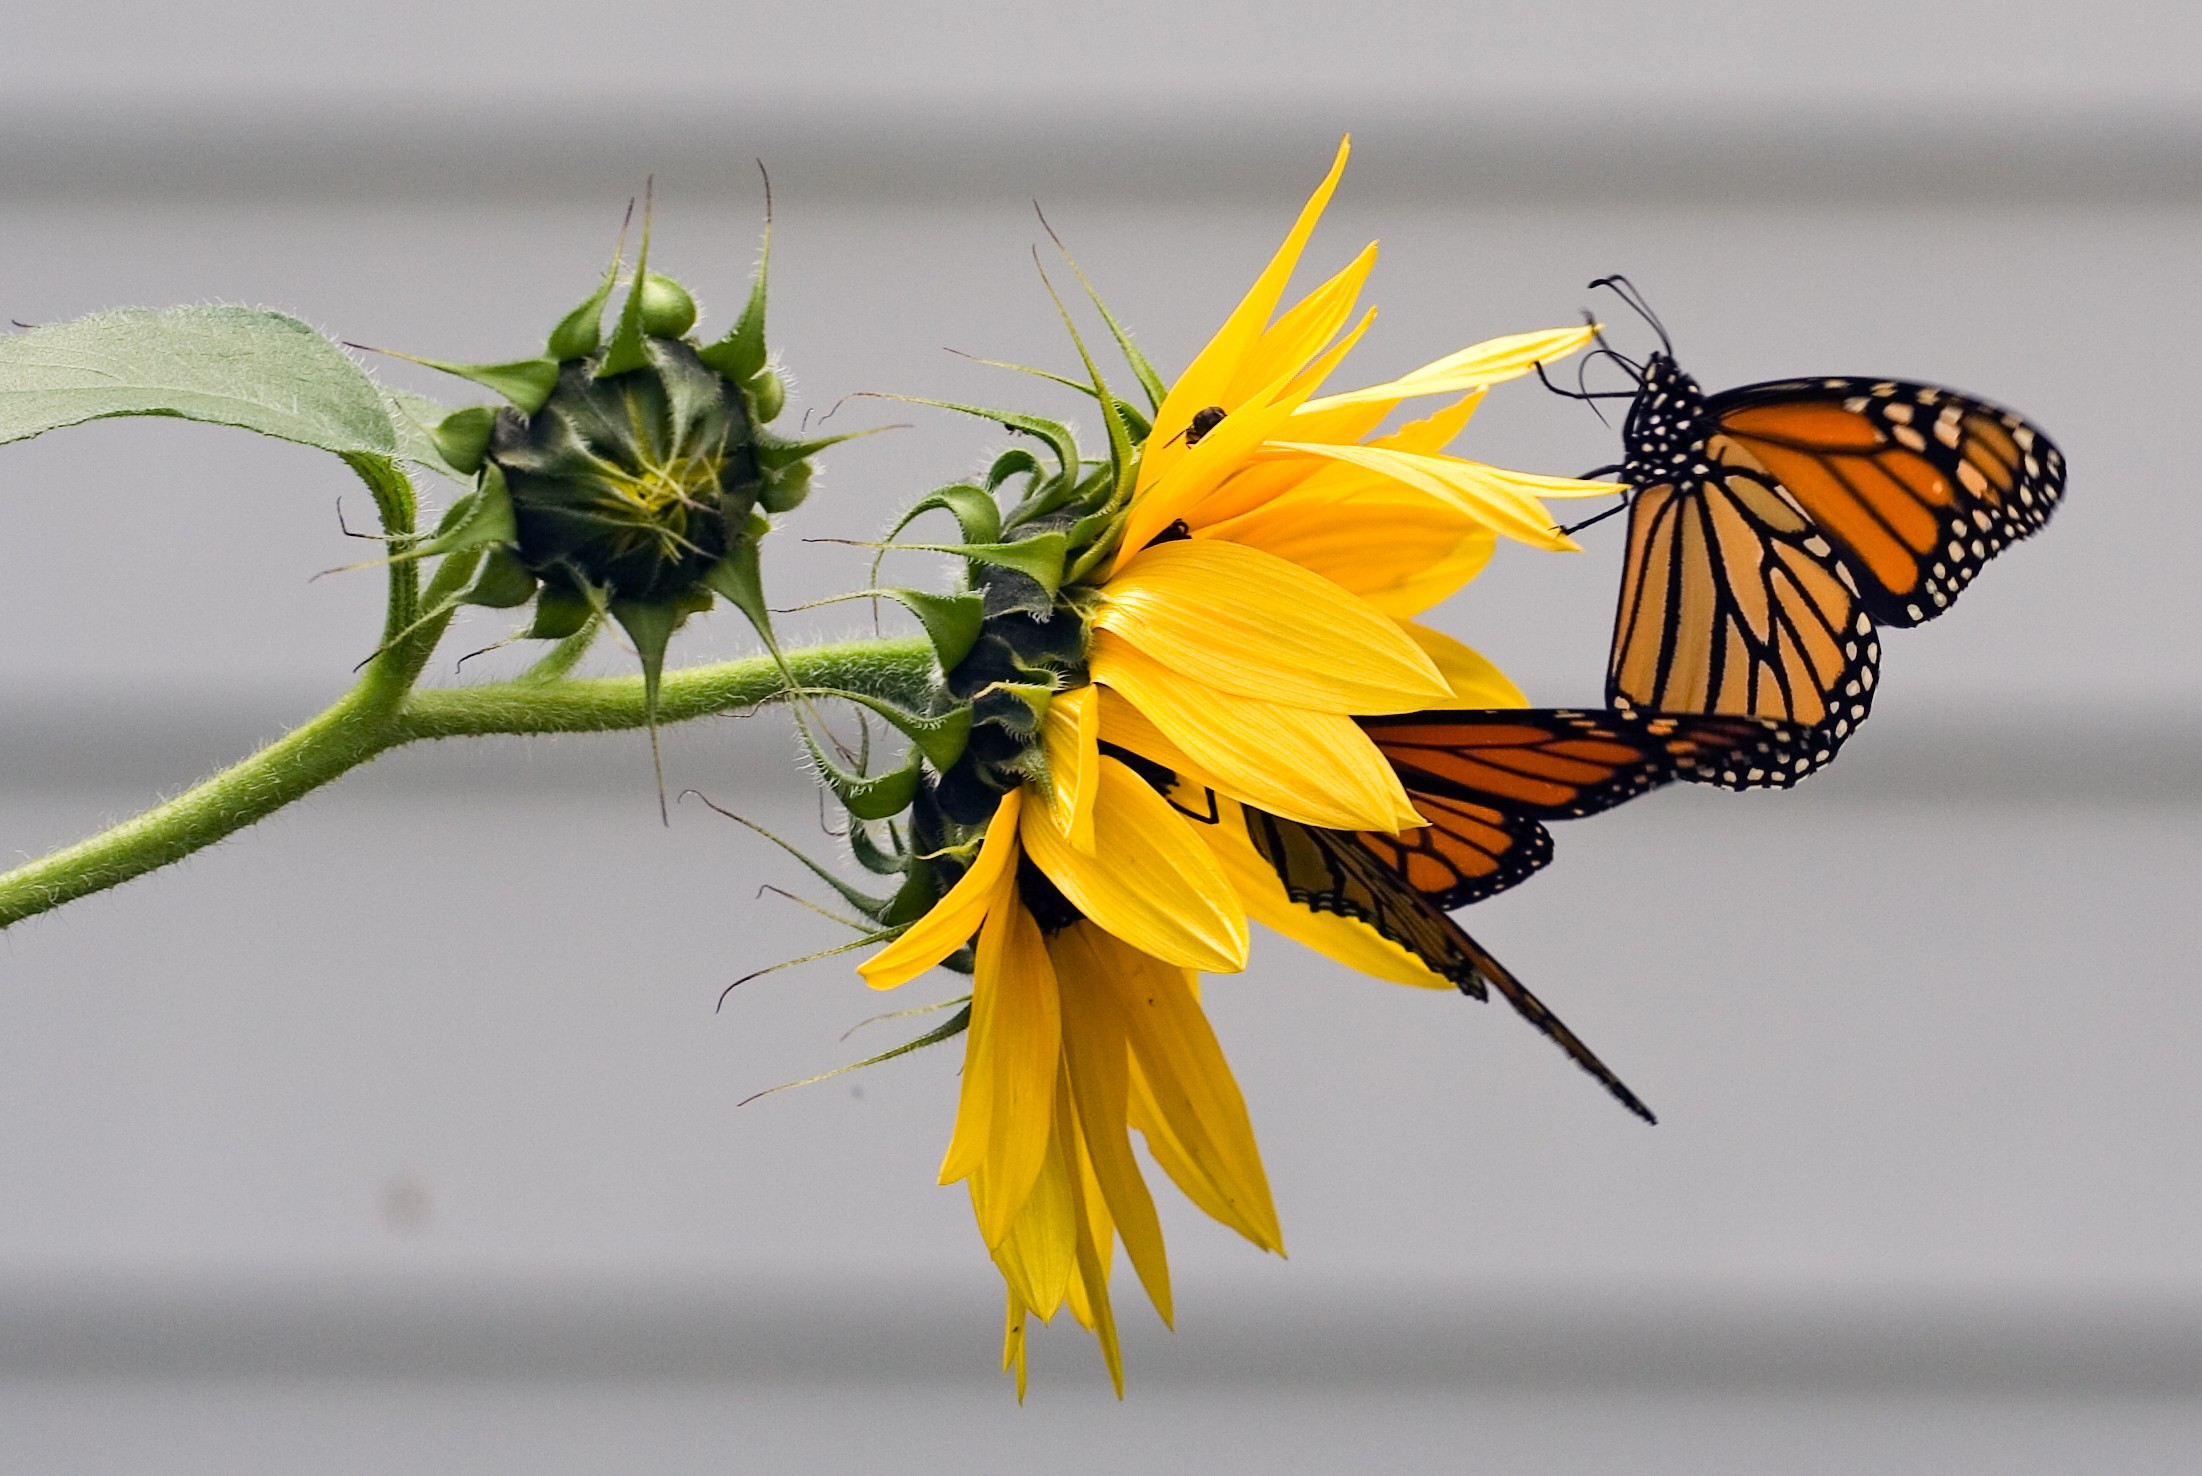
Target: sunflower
[(1247, 592)]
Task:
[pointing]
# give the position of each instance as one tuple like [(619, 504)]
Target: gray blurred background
[(400, 1132)]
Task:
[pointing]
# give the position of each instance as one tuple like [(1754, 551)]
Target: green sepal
[(872, 857), (1121, 460), (876, 796), (563, 657), (479, 519), (976, 513), (650, 625), (502, 582), (872, 907), (940, 737), (740, 355), (774, 454), (1149, 380), (1135, 420), (1039, 558), (916, 897), (1060, 492), (1015, 462), (1034, 695), (951, 621), (527, 383), (462, 437), (1057, 435), (580, 331), (561, 614), (739, 577), (955, 1026), (627, 351)]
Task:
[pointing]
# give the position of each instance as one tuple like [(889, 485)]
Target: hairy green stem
[(372, 718)]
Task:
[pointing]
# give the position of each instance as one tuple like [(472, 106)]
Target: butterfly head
[(1668, 423)]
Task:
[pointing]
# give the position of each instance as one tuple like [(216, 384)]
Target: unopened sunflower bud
[(634, 484)]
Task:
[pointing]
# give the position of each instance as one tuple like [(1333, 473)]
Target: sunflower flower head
[(1150, 642)]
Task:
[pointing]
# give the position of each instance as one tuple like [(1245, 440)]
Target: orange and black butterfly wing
[(1333, 871), (1484, 779), (1732, 602), (1916, 485)]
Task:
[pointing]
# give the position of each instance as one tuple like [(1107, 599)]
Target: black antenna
[(1628, 292)]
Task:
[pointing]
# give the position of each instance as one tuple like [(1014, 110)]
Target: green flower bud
[(633, 484), (667, 309), (768, 393)]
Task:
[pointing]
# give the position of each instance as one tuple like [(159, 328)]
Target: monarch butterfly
[(1486, 780), (1774, 526)]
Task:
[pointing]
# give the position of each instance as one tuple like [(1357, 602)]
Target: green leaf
[(257, 370)]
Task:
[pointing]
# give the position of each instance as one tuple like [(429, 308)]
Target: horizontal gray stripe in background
[(1856, 1341), (1914, 754), (1591, 150)]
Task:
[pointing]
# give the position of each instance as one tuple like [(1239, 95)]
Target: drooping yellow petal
[(1070, 737), (1012, 1053), (1013, 1342), (1352, 943), (1149, 880), (1398, 549), (1089, 1290), (1249, 622), (955, 917), (1203, 382), (1097, 1056), (1038, 1255), (1315, 767), (1478, 366), (1505, 500), (1189, 1083), (1475, 681)]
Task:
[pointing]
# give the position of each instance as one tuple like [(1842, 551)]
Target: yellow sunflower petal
[(1216, 365), (1475, 681), (1149, 880), (1165, 497), (1398, 549), (1098, 1059), (1248, 622), (1301, 333), (1038, 1256), (1315, 767), (1013, 1341), (1096, 1246), (1070, 737), (1011, 1054), (955, 917), (1430, 435), (1505, 500), (1354, 944), (1493, 361), (1189, 1084)]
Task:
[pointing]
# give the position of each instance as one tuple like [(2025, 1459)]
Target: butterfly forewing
[(1918, 486)]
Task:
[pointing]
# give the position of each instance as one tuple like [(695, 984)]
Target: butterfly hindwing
[(1333, 871)]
